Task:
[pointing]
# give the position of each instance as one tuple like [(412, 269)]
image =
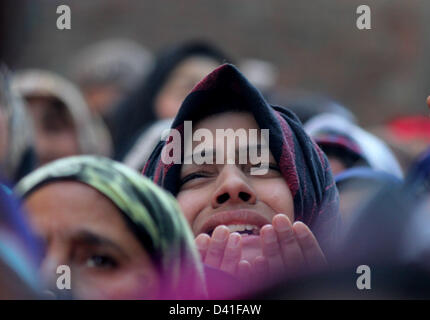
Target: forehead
[(70, 205), (233, 132), (200, 65), (226, 120)]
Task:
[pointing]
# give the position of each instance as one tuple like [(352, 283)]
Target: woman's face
[(85, 231), (227, 194), (182, 80), (56, 135)]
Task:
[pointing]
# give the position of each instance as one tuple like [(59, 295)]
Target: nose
[(48, 271), (233, 188)]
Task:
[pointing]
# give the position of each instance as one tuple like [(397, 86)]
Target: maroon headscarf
[(304, 166)]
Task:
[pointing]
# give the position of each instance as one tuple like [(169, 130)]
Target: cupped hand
[(287, 250)]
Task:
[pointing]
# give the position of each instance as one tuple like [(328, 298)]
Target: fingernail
[(259, 261), (300, 229), (281, 223), (244, 267), (233, 240), (202, 242), (269, 234), (221, 233)]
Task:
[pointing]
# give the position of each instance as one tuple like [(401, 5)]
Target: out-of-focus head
[(180, 82), (341, 150), (108, 70), (121, 236), (307, 105), (358, 185), (160, 94), (178, 70), (62, 122), (262, 74), (348, 145), (417, 180)]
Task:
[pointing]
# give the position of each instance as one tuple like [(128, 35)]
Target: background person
[(63, 124), (176, 71), (17, 153)]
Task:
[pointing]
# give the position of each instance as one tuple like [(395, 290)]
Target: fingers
[(261, 266), (202, 243), (271, 248), (291, 251), (217, 244), (261, 272), (311, 250), (244, 271), (428, 101), (232, 253)]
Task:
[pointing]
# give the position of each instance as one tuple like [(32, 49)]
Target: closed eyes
[(194, 175)]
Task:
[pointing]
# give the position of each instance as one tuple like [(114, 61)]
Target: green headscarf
[(152, 214)]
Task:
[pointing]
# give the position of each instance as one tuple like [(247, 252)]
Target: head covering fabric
[(117, 61), (307, 105), (138, 155), (136, 112), (417, 181), (373, 150), (152, 215), (20, 157), (366, 174), (303, 165)]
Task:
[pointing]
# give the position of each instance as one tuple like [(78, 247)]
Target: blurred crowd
[(84, 185)]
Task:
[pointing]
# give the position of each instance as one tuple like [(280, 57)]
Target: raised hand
[(222, 250), (289, 249)]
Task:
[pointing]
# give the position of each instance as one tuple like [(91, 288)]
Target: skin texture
[(55, 133), (218, 195), (85, 230), (186, 75), (101, 98)]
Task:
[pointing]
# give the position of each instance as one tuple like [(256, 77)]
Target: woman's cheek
[(277, 196), (190, 203)]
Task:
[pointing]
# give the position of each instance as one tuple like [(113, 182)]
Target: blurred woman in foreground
[(121, 236)]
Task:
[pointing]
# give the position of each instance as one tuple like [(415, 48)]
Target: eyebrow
[(91, 239), (259, 146)]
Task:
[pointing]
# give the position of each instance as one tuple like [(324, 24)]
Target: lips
[(245, 222)]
